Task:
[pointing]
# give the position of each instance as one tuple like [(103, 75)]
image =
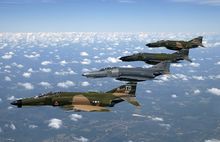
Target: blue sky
[(110, 15)]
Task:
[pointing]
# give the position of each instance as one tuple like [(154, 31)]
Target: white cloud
[(0, 99), (213, 77), (27, 85), (81, 139), (85, 83), (198, 77), (44, 63), (86, 62), (84, 54), (194, 64), (96, 57), (165, 78), (47, 70), (155, 118), (12, 98), (7, 78), (75, 117), (63, 73), (112, 60), (85, 70), (33, 55), (10, 107), (218, 63), (17, 65), (26, 74), (7, 67), (32, 126), (7, 56), (174, 96), (3, 45), (212, 140), (138, 115), (167, 126), (177, 65), (214, 91), (179, 76), (63, 63), (45, 84), (31, 70), (197, 91), (148, 91), (55, 123), (12, 126), (65, 84)]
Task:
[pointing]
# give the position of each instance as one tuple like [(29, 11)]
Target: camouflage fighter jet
[(131, 74), (177, 45), (155, 58), (83, 101)]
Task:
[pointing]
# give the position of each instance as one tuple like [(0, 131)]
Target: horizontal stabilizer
[(187, 59), (185, 54), (131, 100), (197, 41)]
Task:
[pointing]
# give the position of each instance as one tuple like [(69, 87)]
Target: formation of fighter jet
[(83, 101), (177, 45), (155, 58), (131, 74), (98, 101)]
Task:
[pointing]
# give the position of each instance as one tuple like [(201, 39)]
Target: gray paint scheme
[(131, 74)]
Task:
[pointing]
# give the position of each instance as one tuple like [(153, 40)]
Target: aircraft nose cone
[(14, 103), (85, 74), (122, 58), (95, 74), (17, 103), (148, 44), (127, 58)]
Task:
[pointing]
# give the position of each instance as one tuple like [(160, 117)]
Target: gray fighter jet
[(155, 58), (131, 74)]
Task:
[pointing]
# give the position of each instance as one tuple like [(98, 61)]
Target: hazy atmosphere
[(46, 45)]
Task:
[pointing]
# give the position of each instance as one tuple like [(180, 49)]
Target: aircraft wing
[(87, 108)]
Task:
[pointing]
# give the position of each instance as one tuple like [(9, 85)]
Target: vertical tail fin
[(162, 66), (128, 89), (185, 54), (197, 41), (126, 92)]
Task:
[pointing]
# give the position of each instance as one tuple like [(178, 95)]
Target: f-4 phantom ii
[(84, 101), (131, 74), (155, 58), (177, 45)]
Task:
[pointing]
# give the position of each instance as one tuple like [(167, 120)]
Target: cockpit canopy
[(45, 94), (108, 68), (138, 54), (160, 41)]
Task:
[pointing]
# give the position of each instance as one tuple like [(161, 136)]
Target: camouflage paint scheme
[(155, 58), (83, 101), (177, 45)]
